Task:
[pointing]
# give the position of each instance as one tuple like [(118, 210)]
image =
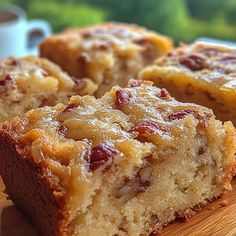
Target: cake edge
[(34, 190)]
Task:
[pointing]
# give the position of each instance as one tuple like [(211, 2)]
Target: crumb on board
[(224, 203), (211, 207)]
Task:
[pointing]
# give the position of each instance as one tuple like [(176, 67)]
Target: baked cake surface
[(32, 82), (125, 164), (201, 73), (110, 54)]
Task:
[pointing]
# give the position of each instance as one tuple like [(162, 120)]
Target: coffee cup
[(19, 36)]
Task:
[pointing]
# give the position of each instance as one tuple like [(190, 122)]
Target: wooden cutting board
[(216, 219)]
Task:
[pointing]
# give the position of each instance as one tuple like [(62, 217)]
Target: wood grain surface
[(216, 219)]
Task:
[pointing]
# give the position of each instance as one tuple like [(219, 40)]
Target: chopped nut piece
[(138, 184)]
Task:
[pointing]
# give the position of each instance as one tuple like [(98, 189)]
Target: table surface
[(216, 219)]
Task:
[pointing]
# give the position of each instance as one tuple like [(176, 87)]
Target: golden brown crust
[(36, 185)]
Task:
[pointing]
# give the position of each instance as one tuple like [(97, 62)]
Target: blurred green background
[(184, 20)]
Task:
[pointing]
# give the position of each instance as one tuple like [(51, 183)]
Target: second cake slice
[(110, 53), (125, 164), (201, 73)]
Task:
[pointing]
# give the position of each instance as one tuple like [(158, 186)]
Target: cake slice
[(125, 164), (201, 73), (110, 53), (32, 82)]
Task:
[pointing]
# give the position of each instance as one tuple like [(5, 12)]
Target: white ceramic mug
[(16, 32)]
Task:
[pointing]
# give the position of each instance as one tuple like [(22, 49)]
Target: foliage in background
[(184, 20), (64, 15)]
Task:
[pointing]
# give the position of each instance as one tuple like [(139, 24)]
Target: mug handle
[(36, 26)]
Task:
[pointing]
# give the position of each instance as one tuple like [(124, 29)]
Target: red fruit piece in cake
[(122, 98), (145, 128), (100, 155), (194, 62)]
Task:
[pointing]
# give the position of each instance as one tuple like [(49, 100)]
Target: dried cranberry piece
[(7, 79), (193, 62), (70, 107), (201, 151), (228, 59), (2, 82), (15, 62), (178, 115), (145, 129), (100, 155), (7, 83), (164, 94), (122, 98)]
